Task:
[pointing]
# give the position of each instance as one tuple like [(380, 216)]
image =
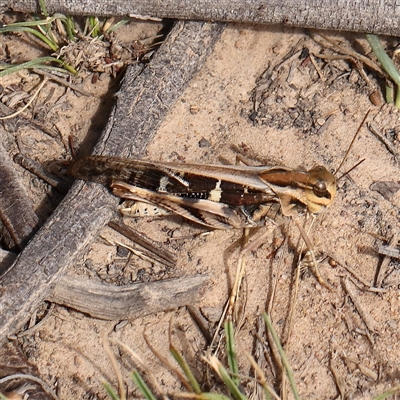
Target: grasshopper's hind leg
[(140, 208)]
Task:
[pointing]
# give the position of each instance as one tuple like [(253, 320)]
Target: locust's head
[(320, 189)]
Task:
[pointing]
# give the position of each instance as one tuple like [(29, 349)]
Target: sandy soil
[(260, 92)]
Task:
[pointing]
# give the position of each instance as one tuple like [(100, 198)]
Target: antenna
[(351, 169), (351, 145)]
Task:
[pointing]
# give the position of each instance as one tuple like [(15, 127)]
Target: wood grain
[(16, 208), (109, 302), (378, 16)]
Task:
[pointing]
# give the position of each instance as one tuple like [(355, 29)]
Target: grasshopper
[(215, 196)]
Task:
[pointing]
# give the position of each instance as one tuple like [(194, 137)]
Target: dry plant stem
[(15, 123), (365, 316), (368, 372), (293, 301), (110, 302), (239, 275), (37, 169), (379, 17), (262, 380), (310, 247), (339, 380), (282, 251), (156, 248), (230, 304), (182, 376), (275, 354), (144, 100), (364, 75), (290, 325), (35, 327), (326, 125), (16, 208), (200, 322), (117, 370), (349, 269), (240, 270), (138, 360), (351, 53), (389, 251), (319, 72), (261, 349), (217, 337), (366, 333), (33, 97), (140, 253), (32, 378), (382, 268), (61, 81), (167, 364), (375, 130)]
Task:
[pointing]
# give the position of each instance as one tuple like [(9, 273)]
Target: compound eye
[(320, 189)]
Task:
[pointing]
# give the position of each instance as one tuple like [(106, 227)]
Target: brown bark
[(144, 100), (16, 208), (376, 16), (151, 248)]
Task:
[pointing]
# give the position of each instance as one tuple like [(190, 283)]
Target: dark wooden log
[(16, 208), (376, 16)]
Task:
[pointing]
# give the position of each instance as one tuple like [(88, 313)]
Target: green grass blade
[(397, 102), (53, 68), (267, 393), (230, 384), (25, 24), (12, 29), (43, 8), (37, 63), (389, 92), (202, 396), (69, 25), (386, 62), (213, 396), (186, 369), (231, 350), (36, 22), (388, 393), (110, 391), (282, 354), (383, 58), (117, 25), (141, 384), (95, 26)]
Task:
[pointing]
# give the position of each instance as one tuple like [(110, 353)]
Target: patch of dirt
[(262, 91)]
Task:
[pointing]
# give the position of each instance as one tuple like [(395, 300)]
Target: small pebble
[(204, 143)]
